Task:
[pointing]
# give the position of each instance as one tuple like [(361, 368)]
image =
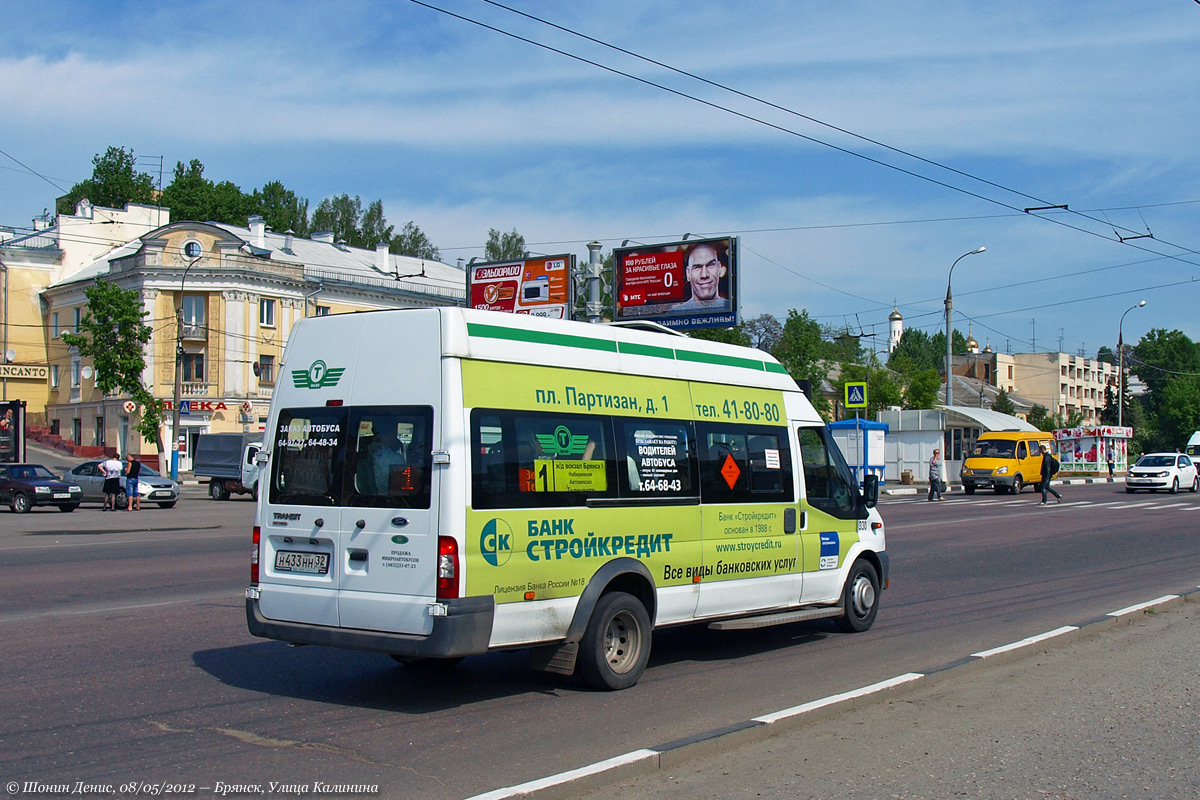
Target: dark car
[(29, 485), (152, 487)]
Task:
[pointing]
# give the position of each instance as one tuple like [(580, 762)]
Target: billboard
[(539, 286), (683, 285)]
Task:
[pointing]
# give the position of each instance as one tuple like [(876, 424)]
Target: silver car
[(152, 487)]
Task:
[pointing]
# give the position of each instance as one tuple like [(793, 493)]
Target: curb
[(669, 755)]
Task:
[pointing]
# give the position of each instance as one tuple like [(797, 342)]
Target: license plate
[(160, 494), (62, 496), (306, 563)]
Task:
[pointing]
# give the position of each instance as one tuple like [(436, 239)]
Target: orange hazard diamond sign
[(730, 471)]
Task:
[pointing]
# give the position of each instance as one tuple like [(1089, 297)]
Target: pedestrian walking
[(935, 476), (1049, 470), (1112, 460)]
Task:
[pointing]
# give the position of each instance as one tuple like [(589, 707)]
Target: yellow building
[(237, 291), (31, 259)]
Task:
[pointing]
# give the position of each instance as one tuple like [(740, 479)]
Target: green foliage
[(1159, 358), (1178, 412), (115, 181), (801, 349), (113, 334), (727, 335), (883, 388), (280, 208), (1106, 355), (1004, 403), (191, 196), (921, 388), (504, 246), (1037, 417), (340, 216), (411, 241)]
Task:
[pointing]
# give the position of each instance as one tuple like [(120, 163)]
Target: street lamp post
[(179, 369), (1121, 368), (949, 324)]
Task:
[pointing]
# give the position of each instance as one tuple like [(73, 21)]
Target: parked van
[(1193, 445), (443, 482), (1006, 461)]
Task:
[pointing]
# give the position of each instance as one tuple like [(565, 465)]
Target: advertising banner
[(538, 286), (683, 285)]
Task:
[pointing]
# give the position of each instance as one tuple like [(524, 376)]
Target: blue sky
[(462, 129)]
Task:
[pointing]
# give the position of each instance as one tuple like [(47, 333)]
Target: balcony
[(198, 389), (194, 331)]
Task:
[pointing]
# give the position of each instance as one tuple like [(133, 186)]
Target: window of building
[(78, 319), (76, 368), (322, 311), (193, 367), (100, 431), (266, 369), (54, 376), (1010, 372), (266, 312), (77, 431), (192, 249), (195, 309), (54, 325)]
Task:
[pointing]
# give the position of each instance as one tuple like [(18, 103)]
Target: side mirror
[(870, 492)]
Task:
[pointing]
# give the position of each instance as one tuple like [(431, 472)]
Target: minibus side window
[(827, 480), (744, 464), (309, 445), (657, 458), (1020, 449), (529, 459), (389, 456)]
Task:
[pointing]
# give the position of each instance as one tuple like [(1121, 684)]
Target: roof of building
[(987, 419)]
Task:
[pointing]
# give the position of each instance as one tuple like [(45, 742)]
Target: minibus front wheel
[(616, 646), (860, 598)]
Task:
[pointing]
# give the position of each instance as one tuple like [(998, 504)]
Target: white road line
[(566, 777), (1041, 637), (1143, 606), (804, 708)]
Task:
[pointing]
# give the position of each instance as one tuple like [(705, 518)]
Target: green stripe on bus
[(630, 348), (712, 358), (538, 337), (634, 349)]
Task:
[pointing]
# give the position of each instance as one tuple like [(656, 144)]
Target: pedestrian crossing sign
[(856, 395)]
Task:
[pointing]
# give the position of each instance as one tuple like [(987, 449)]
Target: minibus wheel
[(616, 645), (860, 598), (1018, 485)]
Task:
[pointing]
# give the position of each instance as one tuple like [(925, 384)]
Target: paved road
[(1115, 714)]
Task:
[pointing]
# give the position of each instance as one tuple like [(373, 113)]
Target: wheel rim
[(21, 503), (622, 642), (862, 596)]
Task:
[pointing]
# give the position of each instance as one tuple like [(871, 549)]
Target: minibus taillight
[(254, 557), (447, 568)]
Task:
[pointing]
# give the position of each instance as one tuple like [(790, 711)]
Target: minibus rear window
[(309, 445)]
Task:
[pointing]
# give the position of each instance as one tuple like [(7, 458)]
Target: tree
[(1037, 417), (504, 246), (340, 216), (192, 196), (1160, 357), (115, 181), (883, 389), (1004, 403), (1178, 412), (280, 208), (1106, 355), (921, 388), (764, 331), (800, 348), (412, 241), (112, 333), (373, 228)]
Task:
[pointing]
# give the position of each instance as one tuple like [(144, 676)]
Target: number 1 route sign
[(856, 395)]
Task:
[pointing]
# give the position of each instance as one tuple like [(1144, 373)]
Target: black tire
[(968, 489), (68, 507), (1018, 485), (167, 505), (860, 598), (1175, 486), (21, 503), (1128, 490), (217, 490), (616, 645), (1195, 484)]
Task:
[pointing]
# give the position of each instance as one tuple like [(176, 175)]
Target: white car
[(1169, 471)]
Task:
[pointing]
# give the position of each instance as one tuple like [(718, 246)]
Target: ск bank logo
[(317, 376), (495, 542)]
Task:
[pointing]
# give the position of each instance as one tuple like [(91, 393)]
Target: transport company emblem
[(318, 376), (562, 442)]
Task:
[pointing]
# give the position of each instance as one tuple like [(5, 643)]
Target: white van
[(443, 482)]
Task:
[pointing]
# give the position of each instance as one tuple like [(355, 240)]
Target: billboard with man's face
[(538, 286), (683, 285)]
